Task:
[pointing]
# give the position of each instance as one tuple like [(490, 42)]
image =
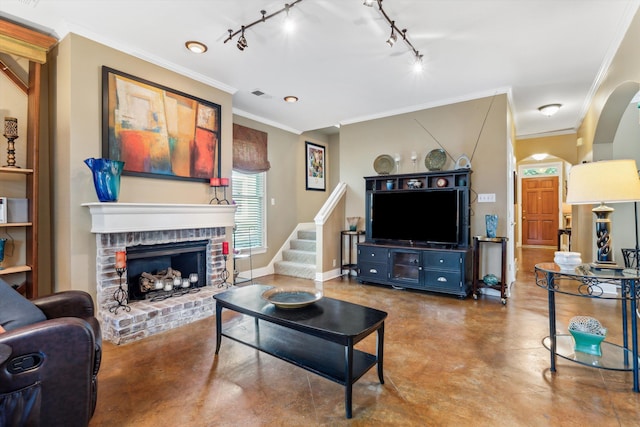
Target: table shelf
[(322, 357)]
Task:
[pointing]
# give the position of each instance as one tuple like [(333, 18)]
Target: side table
[(563, 232), (584, 282), (479, 283), (347, 237)]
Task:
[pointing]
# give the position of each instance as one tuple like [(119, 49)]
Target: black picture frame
[(315, 167), (157, 131)]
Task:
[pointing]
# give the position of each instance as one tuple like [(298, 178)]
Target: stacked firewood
[(150, 282)]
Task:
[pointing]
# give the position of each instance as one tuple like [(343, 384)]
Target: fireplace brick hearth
[(119, 226)]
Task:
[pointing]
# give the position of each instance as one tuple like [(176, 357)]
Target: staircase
[(300, 259)]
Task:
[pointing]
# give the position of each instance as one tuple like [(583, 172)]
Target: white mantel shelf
[(132, 217)]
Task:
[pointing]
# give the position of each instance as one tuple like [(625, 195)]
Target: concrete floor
[(447, 362)]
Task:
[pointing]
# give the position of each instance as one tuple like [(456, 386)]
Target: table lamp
[(610, 181)]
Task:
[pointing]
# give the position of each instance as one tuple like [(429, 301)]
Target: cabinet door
[(405, 267)]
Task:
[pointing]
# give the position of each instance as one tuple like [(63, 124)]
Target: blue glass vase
[(492, 225), (106, 178)]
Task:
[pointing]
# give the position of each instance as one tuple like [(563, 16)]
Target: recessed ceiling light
[(196, 47), (291, 98), (549, 109)]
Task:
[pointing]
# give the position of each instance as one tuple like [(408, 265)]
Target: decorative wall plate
[(435, 159), (383, 164), (291, 298)]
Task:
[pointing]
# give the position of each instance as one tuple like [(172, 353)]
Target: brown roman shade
[(249, 150)]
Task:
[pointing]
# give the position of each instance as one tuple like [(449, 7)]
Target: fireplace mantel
[(132, 217)]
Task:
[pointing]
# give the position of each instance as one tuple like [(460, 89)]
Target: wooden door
[(540, 211)]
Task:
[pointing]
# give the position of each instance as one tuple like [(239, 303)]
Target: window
[(249, 196)]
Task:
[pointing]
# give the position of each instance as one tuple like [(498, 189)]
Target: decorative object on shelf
[(315, 167), (588, 334), (587, 186), (441, 182), (435, 159), (120, 295), (414, 160), (106, 178), (414, 183), (288, 298), (215, 183), (3, 242), (390, 184), (383, 164), (397, 158), (567, 260), (491, 221), (353, 222), (490, 279), (11, 133), (463, 162)]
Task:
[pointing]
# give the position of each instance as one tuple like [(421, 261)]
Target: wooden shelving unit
[(32, 45)]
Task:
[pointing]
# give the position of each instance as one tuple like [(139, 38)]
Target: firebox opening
[(186, 257)]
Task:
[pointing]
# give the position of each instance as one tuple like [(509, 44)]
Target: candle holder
[(11, 133), (216, 183), (223, 281), (120, 295)]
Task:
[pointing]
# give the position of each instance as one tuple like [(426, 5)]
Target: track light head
[(369, 3), (393, 37), (242, 41)]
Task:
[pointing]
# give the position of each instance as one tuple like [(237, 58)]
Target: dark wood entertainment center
[(441, 264)]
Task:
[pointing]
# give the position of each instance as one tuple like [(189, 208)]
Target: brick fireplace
[(119, 226)]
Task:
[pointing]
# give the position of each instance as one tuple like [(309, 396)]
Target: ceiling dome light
[(549, 109), (196, 47), (291, 98)]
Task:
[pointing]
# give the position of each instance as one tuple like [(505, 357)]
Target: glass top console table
[(587, 282)]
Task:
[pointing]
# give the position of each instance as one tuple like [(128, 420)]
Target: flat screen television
[(416, 217)]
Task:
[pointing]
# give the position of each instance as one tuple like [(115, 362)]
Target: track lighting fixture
[(242, 41), (394, 33)]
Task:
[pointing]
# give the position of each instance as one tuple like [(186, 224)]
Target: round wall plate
[(435, 159)]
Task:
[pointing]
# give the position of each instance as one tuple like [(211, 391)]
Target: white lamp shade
[(610, 181)]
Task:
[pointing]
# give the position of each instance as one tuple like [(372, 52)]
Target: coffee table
[(319, 338)]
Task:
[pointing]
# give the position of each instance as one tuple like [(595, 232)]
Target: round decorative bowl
[(567, 260), (292, 297)]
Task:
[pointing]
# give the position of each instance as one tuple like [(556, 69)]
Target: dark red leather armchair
[(48, 370)]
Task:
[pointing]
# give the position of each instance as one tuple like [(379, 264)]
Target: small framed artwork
[(315, 166), (158, 132)]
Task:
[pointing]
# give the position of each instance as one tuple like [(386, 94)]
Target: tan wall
[(624, 68), (76, 135), (562, 146), (457, 128)]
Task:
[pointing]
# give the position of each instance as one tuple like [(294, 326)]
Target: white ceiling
[(337, 61)]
